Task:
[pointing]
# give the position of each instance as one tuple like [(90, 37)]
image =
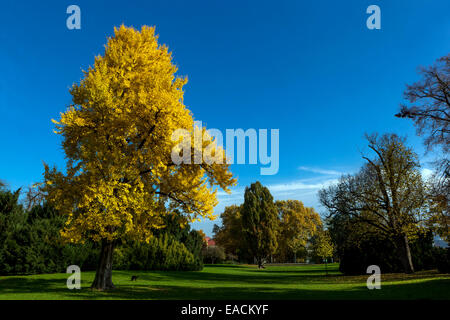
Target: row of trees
[(30, 242), (387, 211), (385, 214), (262, 228)]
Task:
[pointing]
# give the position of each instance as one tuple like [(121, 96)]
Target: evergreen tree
[(259, 222)]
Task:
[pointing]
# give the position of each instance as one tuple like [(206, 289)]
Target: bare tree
[(430, 110), (387, 194), (430, 104), (34, 196)]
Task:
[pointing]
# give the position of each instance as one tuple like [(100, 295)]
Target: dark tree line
[(381, 215), (30, 243)]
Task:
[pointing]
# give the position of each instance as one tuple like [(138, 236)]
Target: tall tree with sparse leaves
[(429, 108), (388, 193), (323, 247)]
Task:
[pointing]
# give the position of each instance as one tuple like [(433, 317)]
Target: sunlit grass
[(233, 282)]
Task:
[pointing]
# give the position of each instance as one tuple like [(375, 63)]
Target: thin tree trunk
[(103, 275), (405, 254)]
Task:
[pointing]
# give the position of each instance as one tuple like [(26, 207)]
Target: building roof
[(210, 242)]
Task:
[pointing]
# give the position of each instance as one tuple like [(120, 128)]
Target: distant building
[(210, 242)]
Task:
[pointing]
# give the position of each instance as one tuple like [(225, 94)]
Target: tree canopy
[(298, 224), (117, 137), (429, 108), (387, 193), (259, 222)]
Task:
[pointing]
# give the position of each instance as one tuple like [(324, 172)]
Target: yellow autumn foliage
[(120, 179)]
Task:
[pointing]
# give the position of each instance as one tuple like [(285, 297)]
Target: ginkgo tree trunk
[(118, 140)]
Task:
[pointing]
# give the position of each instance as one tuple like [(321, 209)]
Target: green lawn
[(233, 282)]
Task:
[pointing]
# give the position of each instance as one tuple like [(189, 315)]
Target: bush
[(378, 251), (359, 246), (83, 255), (30, 243), (372, 251), (161, 253), (442, 259), (422, 252), (213, 254)]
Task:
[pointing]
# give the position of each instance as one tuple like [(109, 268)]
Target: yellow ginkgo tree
[(118, 139)]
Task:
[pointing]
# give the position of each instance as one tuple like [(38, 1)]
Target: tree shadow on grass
[(246, 277), (433, 289), (237, 266), (15, 286), (302, 273)]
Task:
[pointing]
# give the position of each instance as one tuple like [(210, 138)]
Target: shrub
[(30, 243), (356, 258), (213, 254), (442, 259), (161, 253)]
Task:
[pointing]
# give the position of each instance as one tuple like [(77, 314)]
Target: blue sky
[(311, 69)]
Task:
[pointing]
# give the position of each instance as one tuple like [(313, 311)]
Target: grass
[(233, 282)]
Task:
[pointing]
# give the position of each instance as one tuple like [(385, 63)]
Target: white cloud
[(299, 185), (296, 189), (304, 190), (426, 173), (321, 171)]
